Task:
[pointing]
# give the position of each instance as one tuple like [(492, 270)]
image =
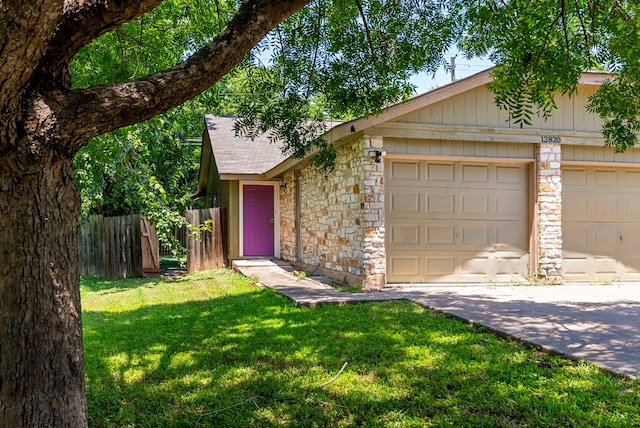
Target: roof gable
[(476, 108), (236, 155), (444, 93), (468, 100)]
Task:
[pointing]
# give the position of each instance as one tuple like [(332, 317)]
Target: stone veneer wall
[(375, 256), (331, 215), (549, 205), (288, 218)]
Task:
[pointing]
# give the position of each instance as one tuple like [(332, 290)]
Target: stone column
[(374, 253), (549, 204)]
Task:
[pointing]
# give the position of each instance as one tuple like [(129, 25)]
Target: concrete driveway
[(599, 323)]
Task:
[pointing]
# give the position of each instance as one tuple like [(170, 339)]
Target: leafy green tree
[(334, 58), (342, 59), (150, 168), (46, 120), (541, 48)]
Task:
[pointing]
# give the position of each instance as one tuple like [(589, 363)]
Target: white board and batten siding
[(477, 108), (405, 147)]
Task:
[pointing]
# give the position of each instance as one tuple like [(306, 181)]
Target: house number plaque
[(550, 139)]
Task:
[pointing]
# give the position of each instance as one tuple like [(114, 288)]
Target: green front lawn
[(213, 350)]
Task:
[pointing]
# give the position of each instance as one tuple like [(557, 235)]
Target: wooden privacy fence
[(206, 248), (117, 247), (127, 246)]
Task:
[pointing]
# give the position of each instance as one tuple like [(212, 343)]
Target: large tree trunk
[(41, 360), (42, 125)]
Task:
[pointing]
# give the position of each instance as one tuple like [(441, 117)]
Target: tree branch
[(366, 29), (315, 51), (23, 25), (585, 33), (563, 11), (547, 37), (93, 111), (84, 20)]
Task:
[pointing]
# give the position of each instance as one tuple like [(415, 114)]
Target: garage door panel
[(406, 172), (472, 176), (434, 266), (477, 204), (473, 224), (512, 235), (507, 265), (630, 208), (406, 266), (605, 178), (581, 266), (630, 236), (440, 172), (445, 204), (475, 173), (465, 235), (484, 266), (405, 202), (605, 208), (605, 238), (510, 204), (575, 236), (604, 265), (493, 236), (590, 237), (440, 204), (582, 207), (475, 236), (574, 178), (474, 266), (404, 235), (506, 174), (574, 208), (420, 266), (632, 264), (630, 179), (440, 266), (440, 235), (573, 265), (474, 205)]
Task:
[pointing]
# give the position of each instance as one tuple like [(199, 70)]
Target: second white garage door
[(600, 223), (456, 221)]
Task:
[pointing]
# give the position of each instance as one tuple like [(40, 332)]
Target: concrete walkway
[(599, 323)]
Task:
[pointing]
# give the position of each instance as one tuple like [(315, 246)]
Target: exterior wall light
[(377, 154)]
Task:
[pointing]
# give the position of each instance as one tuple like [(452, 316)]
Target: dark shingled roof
[(240, 155)]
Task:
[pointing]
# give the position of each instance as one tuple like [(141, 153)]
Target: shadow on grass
[(256, 359), (97, 284)]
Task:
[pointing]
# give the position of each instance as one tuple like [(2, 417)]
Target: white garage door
[(600, 223), (455, 221)]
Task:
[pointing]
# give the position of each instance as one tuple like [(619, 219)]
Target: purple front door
[(258, 221)]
